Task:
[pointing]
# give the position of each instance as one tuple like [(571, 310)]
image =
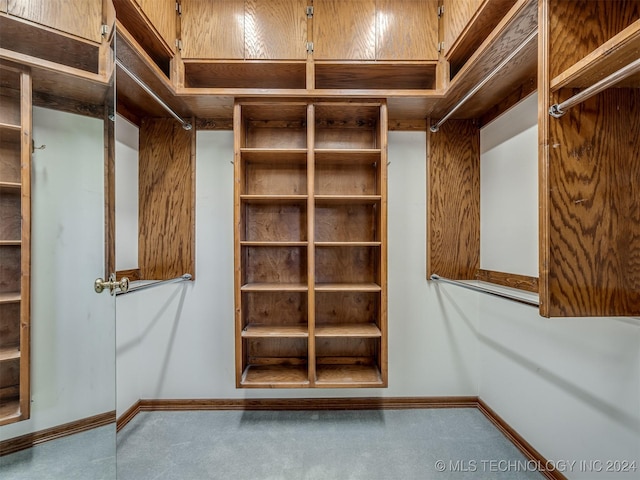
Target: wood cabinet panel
[(3, 6), (593, 207), (167, 200), (162, 14), (406, 30), (213, 29), (453, 186), (344, 30), (457, 14), (82, 18), (275, 30)]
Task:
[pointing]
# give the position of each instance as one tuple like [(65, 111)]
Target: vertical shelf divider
[(311, 252)]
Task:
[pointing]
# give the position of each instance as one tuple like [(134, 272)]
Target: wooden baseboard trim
[(31, 439), (520, 443), (365, 403), (127, 416)]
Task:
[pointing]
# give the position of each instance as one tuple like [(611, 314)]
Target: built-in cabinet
[(15, 266), (310, 244)]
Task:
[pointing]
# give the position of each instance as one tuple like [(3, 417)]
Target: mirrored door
[(57, 362)]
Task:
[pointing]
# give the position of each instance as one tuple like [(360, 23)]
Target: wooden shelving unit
[(310, 214), (15, 212)]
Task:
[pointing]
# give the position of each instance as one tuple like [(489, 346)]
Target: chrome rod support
[(436, 126), (182, 278), (476, 288), (186, 125), (558, 109)]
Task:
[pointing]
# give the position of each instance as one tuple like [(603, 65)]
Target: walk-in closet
[(319, 239)]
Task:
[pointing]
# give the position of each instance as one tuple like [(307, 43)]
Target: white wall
[(182, 336), (126, 194), (72, 328), (570, 387)]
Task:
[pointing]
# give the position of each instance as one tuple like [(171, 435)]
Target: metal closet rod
[(558, 109), (183, 278), (186, 125), (476, 288), (436, 126)]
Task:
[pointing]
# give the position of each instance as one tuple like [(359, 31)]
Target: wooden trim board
[(32, 439)]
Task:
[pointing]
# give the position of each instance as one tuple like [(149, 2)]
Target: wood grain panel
[(522, 282), (9, 162), (9, 375), (345, 347), (167, 208), (457, 15), (9, 324), (346, 178), (275, 30), (213, 29), (241, 74), (3, 6), (9, 106), (275, 308), (453, 200), (346, 223), (162, 15), (338, 308), (578, 27), (261, 350), (406, 30), (10, 269), (282, 265), (350, 265), (594, 207), (375, 76), (275, 178), (479, 25), (344, 30), (275, 222), (82, 18), (10, 219), (45, 44)]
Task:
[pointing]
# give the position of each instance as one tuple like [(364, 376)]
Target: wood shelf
[(275, 287), (10, 127), (352, 375), (275, 155), (286, 331), (369, 330), (342, 199), (239, 74), (10, 297), (9, 353), (274, 199), (347, 287), (351, 156), (614, 54), (513, 29), (9, 410), (379, 75), (348, 244), (278, 375), (10, 243), (252, 243), (10, 186)]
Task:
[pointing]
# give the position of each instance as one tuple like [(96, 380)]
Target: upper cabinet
[(162, 15), (239, 29), (82, 18), (375, 30)]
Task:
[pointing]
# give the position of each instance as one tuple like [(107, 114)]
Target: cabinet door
[(213, 29), (162, 14), (344, 30), (407, 29), (275, 30), (457, 14), (82, 18)]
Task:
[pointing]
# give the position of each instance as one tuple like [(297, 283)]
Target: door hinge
[(179, 44), (440, 47), (310, 11), (309, 47), (104, 30), (440, 11), (178, 8)]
